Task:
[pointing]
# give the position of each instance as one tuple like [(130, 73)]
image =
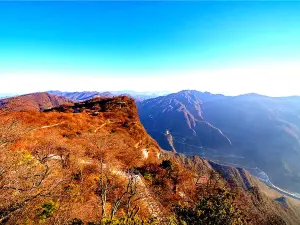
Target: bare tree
[(129, 193), (104, 186), (49, 149), (26, 180), (125, 198), (100, 146)]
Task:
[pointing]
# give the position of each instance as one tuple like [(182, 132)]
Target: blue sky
[(222, 47)]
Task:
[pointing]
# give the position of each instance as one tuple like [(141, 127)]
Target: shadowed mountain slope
[(250, 130), (180, 114)]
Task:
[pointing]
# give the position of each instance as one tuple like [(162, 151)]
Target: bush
[(148, 176), (213, 209), (166, 164), (48, 210)]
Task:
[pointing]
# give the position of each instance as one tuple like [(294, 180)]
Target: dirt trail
[(102, 125), (48, 126)]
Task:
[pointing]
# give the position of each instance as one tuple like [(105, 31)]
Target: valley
[(248, 130)]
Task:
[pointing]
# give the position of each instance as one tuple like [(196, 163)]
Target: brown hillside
[(258, 203), (33, 102), (59, 155)]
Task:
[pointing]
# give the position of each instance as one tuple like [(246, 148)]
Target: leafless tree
[(25, 180), (51, 149), (103, 187), (131, 193), (127, 196)]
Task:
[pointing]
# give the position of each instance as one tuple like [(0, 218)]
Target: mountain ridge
[(33, 102), (86, 95), (251, 123)]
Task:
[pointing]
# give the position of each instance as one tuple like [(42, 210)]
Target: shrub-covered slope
[(33, 102), (93, 162)]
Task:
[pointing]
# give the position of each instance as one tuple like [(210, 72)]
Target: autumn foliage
[(94, 163)]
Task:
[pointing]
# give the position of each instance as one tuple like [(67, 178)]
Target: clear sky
[(230, 47)]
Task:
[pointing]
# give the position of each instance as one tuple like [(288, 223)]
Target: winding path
[(48, 126)]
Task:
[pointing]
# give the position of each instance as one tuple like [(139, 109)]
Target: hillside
[(257, 203), (93, 160), (32, 102), (60, 155), (253, 131)]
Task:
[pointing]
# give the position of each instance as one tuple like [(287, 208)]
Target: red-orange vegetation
[(93, 160), (62, 151)]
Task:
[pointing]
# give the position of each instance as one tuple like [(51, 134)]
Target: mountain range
[(254, 131), (85, 95), (92, 162)]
